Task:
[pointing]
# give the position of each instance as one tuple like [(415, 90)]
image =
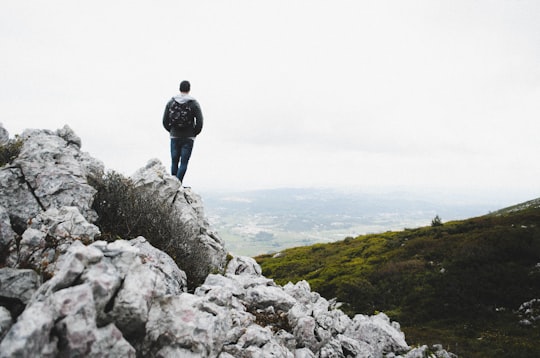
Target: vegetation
[(126, 212), (10, 151), (458, 284), (436, 221)]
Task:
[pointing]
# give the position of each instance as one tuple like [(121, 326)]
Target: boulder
[(4, 135), (7, 235), (5, 321), (188, 207), (379, 333), (17, 198), (189, 322), (49, 236), (49, 172), (30, 336), (127, 298), (242, 265), (18, 284)]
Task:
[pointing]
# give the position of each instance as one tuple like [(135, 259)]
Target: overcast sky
[(438, 94)]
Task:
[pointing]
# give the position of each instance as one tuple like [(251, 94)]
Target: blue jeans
[(180, 152)]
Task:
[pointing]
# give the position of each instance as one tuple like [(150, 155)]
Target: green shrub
[(436, 221), (126, 212), (442, 284), (10, 151)]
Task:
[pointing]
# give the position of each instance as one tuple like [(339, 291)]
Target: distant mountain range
[(266, 221)]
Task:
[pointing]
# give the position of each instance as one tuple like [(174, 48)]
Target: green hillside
[(459, 284)]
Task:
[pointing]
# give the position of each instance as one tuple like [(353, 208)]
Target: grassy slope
[(457, 284)]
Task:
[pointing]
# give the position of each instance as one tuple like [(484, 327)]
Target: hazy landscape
[(265, 221), (471, 285)]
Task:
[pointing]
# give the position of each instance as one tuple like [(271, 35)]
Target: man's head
[(185, 86)]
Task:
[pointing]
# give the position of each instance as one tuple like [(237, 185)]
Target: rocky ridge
[(64, 292)]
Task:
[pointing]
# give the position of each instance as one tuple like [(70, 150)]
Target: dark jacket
[(196, 110)]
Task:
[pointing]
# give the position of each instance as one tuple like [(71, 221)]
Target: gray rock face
[(127, 298), (4, 135), (154, 178), (50, 172), (49, 236), (241, 265), (7, 235), (5, 321), (18, 284)]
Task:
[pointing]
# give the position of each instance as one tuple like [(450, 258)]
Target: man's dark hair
[(185, 86)]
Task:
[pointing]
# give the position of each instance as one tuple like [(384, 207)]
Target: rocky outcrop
[(64, 292), (49, 172), (187, 205), (4, 135)]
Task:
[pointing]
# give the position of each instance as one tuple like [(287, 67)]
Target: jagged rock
[(110, 343), (5, 321), (101, 284), (303, 353), (50, 234), (155, 178), (242, 265), (127, 299), (17, 198), (4, 135), (30, 336), (18, 284), (75, 319), (424, 351), (269, 296), (49, 172), (117, 286), (7, 235), (529, 312), (379, 333), (187, 321), (160, 261)]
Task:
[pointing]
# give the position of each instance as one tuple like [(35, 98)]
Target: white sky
[(431, 93)]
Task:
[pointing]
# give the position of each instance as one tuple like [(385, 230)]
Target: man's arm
[(166, 122), (199, 118)]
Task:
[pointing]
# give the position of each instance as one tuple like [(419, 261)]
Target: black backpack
[(180, 115)]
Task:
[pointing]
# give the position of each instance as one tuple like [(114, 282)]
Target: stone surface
[(241, 265), (18, 284), (50, 172), (186, 204), (128, 299), (5, 321), (7, 235), (49, 236), (4, 135)]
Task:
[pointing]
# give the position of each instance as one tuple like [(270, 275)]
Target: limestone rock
[(49, 172), (50, 234), (17, 198), (379, 333), (127, 298), (120, 297), (186, 321), (4, 135), (18, 284), (242, 265), (5, 321), (109, 342), (30, 336), (7, 235), (186, 204)]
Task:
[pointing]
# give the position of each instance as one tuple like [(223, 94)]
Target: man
[(182, 131)]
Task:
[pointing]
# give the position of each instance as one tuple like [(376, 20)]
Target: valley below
[(267, 221)]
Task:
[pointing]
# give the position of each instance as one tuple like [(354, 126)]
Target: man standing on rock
[(184, 121)]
